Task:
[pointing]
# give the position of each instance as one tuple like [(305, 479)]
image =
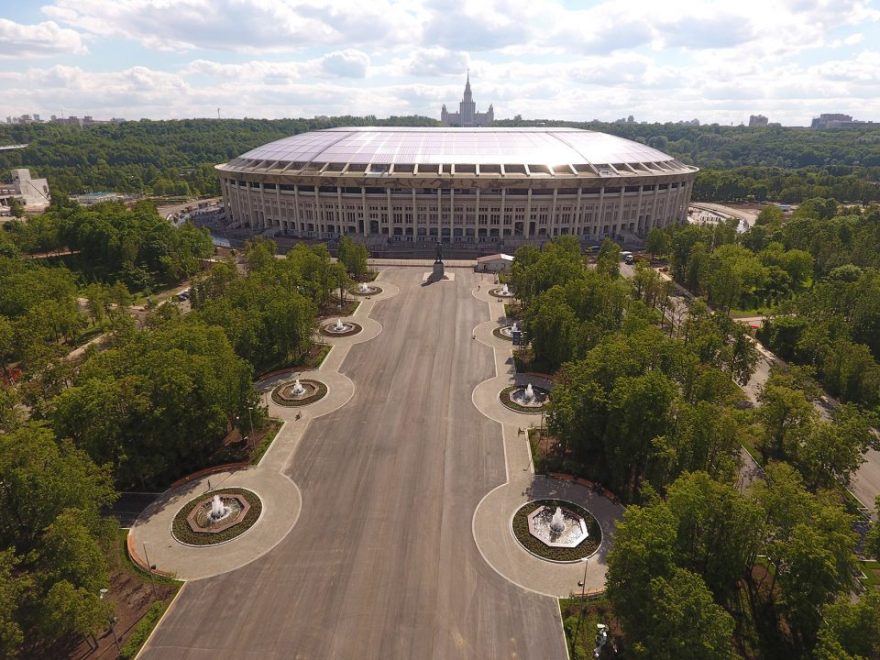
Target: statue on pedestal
[(438, 272), (439, 259)]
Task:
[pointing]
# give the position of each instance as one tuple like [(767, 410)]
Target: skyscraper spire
[(467, 86)]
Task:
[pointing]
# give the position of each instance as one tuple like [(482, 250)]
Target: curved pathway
[(492, 519), (282, 500)]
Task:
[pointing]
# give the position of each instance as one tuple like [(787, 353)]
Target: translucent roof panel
[(386, 145)]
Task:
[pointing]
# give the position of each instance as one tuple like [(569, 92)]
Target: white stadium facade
[(455, 185)]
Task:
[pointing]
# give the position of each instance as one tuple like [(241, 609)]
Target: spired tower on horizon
[(467, 114)]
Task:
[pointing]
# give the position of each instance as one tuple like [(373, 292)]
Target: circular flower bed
[(280, 396), (499, 293), (497, 332), (182, 532), (586, 547), (373, 291), (504, 396), (352, 330)]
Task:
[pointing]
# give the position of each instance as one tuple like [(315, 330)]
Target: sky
[(666, 60)]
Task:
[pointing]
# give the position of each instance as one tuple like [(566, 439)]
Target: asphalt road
[(382, 563)]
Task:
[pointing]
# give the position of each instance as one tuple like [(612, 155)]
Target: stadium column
[(339, 221), (528, 219), (477, 215), (282, 215), (640, 216), (415, 217), (451, 214), (365, 216), (600, 219), (656, 193), (439, 213), (319, 218), (666, 204), (578, 220), (553, 223), (297, 220), (619, 221), (502, 220), (263, 205), (388, 224)]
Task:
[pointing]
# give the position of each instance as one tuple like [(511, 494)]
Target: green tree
[(850, 630), (657, 242), (608, 260), (683, 621)]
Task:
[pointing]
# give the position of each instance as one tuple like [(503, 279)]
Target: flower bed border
[(182, 533), (504, 397), (356, 329), (296, 403), (519, 525)]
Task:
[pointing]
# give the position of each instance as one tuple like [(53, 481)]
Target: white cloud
[(713, 59), (40, 40), (250, 26), (347, 63)]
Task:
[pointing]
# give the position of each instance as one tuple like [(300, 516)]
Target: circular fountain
[(366, 289), (340, 328), (507, 331), (502, 292), (299, 392), (557, 530), (526, 399), (216, 518)]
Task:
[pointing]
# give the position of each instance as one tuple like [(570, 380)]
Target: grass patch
[(579, 619), (497, 333), (274, 426), (296, 403), (142, 630), (761, 310), (312, 359), (513, 310), (332, 309), (586, 547), (182, 532), (126, 564), (871, 571), (504, 397)]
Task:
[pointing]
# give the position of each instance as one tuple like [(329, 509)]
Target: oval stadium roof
[(478, 146)]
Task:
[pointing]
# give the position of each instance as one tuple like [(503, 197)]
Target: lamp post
[(150, 569)]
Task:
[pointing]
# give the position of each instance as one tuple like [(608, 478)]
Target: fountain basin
[(340, 328), (557, 528), (365, 289), (287, 394), (516, 398), (531, 525), (502, 292), (202, 520), (506, 331)]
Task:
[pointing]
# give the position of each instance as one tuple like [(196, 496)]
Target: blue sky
[(659, 61)]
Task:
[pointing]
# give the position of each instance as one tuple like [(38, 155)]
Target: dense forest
[(648, 405), (177, 157)]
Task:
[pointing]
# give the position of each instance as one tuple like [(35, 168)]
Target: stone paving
[(282, 501), (494, 514)]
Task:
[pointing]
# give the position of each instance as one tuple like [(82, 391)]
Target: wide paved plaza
[(372, 554)]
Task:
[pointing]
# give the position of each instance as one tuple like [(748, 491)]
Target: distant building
[(467, 115), (494, 263), (32, 193), (758, 121), (834, 120)]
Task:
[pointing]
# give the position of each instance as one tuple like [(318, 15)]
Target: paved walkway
[(281, 498), (492, 519)]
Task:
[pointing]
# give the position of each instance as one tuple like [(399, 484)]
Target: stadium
[(456, 185)]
